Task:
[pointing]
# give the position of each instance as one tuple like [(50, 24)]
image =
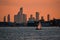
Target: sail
[(39, 26)]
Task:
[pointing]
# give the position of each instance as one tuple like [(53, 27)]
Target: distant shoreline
[(29, 26)]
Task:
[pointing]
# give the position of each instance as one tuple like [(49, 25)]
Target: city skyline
[(20, 17), (44, 7)]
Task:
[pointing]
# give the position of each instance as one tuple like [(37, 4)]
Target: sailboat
[(38, 27)]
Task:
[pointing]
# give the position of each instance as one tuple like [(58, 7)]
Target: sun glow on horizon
[(44, 7)]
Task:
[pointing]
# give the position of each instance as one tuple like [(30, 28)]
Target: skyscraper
[(48, 17), (24, 18), (21, 10), (15, 18), (20, 17), (42, 18), (4, 18), (31, 19), (37, 16), (8, 18)]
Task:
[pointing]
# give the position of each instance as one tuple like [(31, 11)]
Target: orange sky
[(44, 7)]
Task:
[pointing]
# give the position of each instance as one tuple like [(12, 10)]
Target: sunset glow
[(44, 7)]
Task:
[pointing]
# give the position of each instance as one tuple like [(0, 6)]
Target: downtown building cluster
[(20, 19)]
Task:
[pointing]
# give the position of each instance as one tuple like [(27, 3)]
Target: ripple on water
[(29, 33)]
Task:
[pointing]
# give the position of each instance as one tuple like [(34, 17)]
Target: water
[(29, 33)]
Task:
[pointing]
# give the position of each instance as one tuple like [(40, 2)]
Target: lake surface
[(29, 33)]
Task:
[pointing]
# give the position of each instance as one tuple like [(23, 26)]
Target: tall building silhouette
[(21, 10), (15, 18), (42, 18), (20, 17), (37, 16), (31, 19), (48, 17), (8, 18), (4, 18), (24, 18)]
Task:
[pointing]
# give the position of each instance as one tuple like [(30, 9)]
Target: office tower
[(37, 16), (4, 18), (31, 16), (42, 18), (15, 18), (31, 19), (48, 17), (24, 18), (20, 17), (8, 18), (21, 10)]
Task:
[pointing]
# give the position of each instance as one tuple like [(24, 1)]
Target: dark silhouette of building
[(21, 10), (42, 18), (4, 18), (31, 19), (48, 17), (37, 16), (24, 18), (56, 22), (20, 17), (8, 18)]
